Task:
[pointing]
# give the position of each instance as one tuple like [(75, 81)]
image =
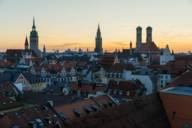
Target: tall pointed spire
[(44, 49), (34, 39), (34, 27), (26, 43), (131, 50), (98, 41), (98, 31)]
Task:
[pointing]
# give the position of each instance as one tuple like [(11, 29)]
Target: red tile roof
[(23, 117), (7, 104), (145, 47), (98, 102), (6, 64), (125, 85), (175, 68), (107, 60), (89, 88), (56, 67), (184, 79), (7, 88), (118, 67), (68, 109)]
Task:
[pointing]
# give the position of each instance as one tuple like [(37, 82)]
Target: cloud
[(119, 43), (64, 45)]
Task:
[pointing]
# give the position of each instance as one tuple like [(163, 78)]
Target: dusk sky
[(63, 24)]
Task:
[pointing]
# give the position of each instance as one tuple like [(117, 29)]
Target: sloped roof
[(118, 67), (6, 64), (97, 103), (107, 59), (125, 85), (184, 79), (55, 68), (7, 103), (145, 47), (7, 88), (23, 117), (12, 52), (145, 112), (91, 88)]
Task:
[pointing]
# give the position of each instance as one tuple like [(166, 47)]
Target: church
[(34, 40), (31, 49)]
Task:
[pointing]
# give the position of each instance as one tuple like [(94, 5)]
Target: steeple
[(131, 50), (26, 43), (44, 49), (172, 52), (98, 31), (33, 27), (98, 41), (34, 39)]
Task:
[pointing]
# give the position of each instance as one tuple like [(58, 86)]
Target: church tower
[(34, 41), (138, 37), (26, 44), (98, 41), (149, 35)]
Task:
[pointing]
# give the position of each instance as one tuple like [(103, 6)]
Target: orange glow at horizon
[(108, 45), (65, 24)]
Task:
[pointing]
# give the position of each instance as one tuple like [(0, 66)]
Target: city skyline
[(62, 27)]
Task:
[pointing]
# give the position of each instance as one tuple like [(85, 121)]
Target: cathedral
[(149, 47)]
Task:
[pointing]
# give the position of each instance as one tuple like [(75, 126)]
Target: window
[(128, 93), (161, 81)]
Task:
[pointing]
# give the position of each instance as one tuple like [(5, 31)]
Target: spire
[(167, 46), (34, 23), (98, 27), (26, 43), (26, 40), (130, 48), (130, 44), (98, 31), (44, 49), (172, 52), (98, 41)]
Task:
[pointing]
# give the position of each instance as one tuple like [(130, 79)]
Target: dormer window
[(88, 109), (95, 108), (77, 112), (62, 115)]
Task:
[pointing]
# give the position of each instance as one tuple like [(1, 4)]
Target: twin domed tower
[(139, 36), (34, 40)]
